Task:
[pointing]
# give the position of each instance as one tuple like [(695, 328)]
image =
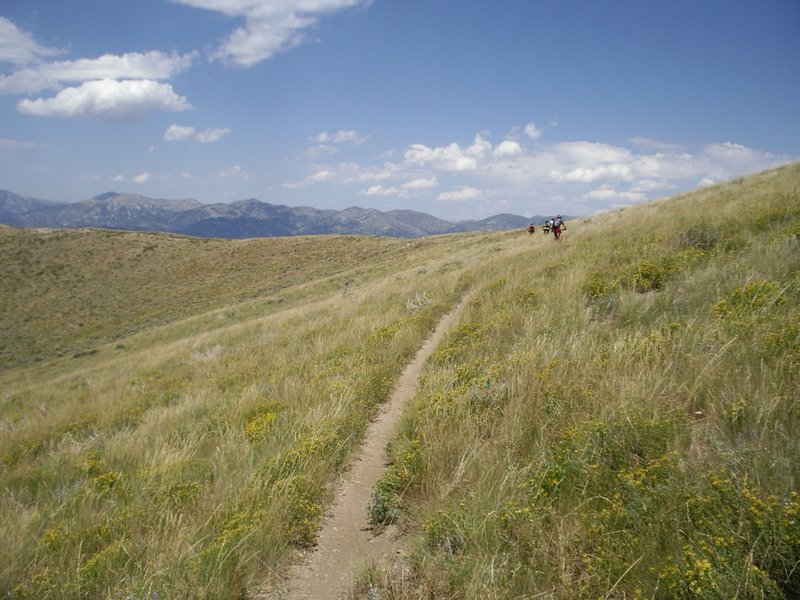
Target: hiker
[(531, 229), (548, 225), (558, 225)]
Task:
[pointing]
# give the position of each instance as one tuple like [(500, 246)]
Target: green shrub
[(384, 506), (648, 276)]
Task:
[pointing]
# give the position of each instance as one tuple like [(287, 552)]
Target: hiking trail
[(345, 541)]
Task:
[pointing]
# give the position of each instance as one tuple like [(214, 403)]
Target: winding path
[(345, 541)]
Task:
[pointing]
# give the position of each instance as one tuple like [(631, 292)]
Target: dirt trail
[(345, 541)]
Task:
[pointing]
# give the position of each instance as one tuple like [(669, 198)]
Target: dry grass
[(614, 416), (194, 458), (618, 418), (68, 292)]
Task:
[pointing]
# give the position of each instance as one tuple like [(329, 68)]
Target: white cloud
[(235, 172), (140, 178), (727, 150), (591, 153), (351, 135), (176, 133), (211, 135), (705, 182), (606, 193), (404, 191), (448, 158), (589, 175), (422, 183), (108, 100), (326, 141), (460, 195), (532, 131), (379, 190), (321, 176), (18, 47), (133, 65), (270, 27), (354, 173), (579, 177), (507, 148)]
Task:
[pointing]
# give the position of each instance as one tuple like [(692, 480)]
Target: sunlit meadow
[(617, 415), (614, 415)]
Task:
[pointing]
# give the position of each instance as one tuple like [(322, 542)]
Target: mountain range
[(241, 219)]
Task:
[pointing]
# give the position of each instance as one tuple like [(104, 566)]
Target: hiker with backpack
[(558, 225)]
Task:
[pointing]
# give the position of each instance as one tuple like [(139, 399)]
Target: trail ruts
[(345, 540)]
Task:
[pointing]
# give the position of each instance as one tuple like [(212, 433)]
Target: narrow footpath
[(345, 541)]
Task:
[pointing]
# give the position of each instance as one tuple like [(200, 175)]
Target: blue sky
[(458, 108)]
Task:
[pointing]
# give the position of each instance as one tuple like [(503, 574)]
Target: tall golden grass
[(616, 416), (195, 458)]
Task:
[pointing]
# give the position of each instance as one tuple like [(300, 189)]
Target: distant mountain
[(14, 208), (241, 219)]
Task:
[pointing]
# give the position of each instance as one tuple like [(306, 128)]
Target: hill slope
[(613, 415)]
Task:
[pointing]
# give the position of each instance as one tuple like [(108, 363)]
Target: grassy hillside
[(68, 292), (614, 416), (194, 457), (617, 416)]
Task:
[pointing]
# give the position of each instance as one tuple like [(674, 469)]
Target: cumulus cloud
[(532, 131), (460, 195), (327, 142), (132, 65), (352, 172), (350, 135), (379, 190), (319, 176), (423, 183), (591, 174), (405, 190), (448, 158), (18, 47), (108, 100), (507, 148), (577, 177), (455, 158), (607, 193), (208, 136), (176, 133), (270, 27), (110, 87)]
